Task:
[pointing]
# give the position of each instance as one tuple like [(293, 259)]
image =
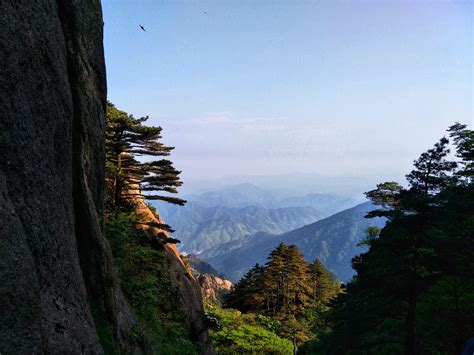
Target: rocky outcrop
[(213, 287), (189, 294), (190, 299), (54, 261)]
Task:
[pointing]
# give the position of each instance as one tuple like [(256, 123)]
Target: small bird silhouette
[(205, 12), (143, 28)]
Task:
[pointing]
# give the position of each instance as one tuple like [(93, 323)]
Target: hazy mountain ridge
[(202, 267), (236, 212), (332, 240), (241, 195), (200, 228), (244, 195)]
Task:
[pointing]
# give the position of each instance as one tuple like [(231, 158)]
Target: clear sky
[(349, 88)]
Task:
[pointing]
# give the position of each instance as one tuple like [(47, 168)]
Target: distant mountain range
[(234, 213), (332, 240), (200, 228), (235, 227)]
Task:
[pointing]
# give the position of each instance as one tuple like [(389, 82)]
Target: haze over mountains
[(289, 184), (234, 227), (333, 240), (239, 211)]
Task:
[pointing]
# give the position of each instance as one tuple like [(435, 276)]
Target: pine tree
[(130, 172), (274, 279), (297, 288), (431, 175), (325, 285), (247, 294), (387, 195), (464, 141), (420, 258), (286, 283), (432, 170)]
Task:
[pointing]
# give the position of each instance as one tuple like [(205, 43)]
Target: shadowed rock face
[(52, 97), (55, 264)]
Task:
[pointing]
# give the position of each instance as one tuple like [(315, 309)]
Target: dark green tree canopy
[(414, 288), (432, 170), (464, 143)]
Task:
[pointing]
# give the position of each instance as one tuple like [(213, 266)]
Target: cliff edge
[(57, 280)]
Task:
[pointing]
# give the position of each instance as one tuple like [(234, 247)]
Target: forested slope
[(333, 241)]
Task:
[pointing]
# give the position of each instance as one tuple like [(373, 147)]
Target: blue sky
[(349, 88)]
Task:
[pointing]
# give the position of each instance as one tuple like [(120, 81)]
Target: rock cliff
[(190, 298), (213, 287), (51, 63), (56, 268)]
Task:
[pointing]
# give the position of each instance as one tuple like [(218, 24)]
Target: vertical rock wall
[(54, 261), (43, 296)]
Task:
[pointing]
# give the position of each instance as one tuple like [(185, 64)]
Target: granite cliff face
[(51, 64), (55, 265), (213, 287), (189, 293)]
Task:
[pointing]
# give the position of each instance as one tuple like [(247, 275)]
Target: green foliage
[(269, 323), (464, 142), (414, 288), (149, 289), (246, 334), (127, 177), (287, 293), (139, 258)]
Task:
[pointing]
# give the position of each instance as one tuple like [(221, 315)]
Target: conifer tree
[(286, 283), (325, 285), (464, 141), (247, 294), (432, 170), (387, 195), (421, 259), (274, 279), (131, 167), (297, 288)]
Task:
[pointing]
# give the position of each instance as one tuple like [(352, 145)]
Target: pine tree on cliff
[(126, 140)]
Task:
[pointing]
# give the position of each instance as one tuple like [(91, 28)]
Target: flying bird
[(205, 12), (143, 28)]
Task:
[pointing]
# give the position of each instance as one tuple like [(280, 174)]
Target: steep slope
[(59, 290), (54, 260), (189, 292), (213, 288), (332, 240), (213, 284)]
